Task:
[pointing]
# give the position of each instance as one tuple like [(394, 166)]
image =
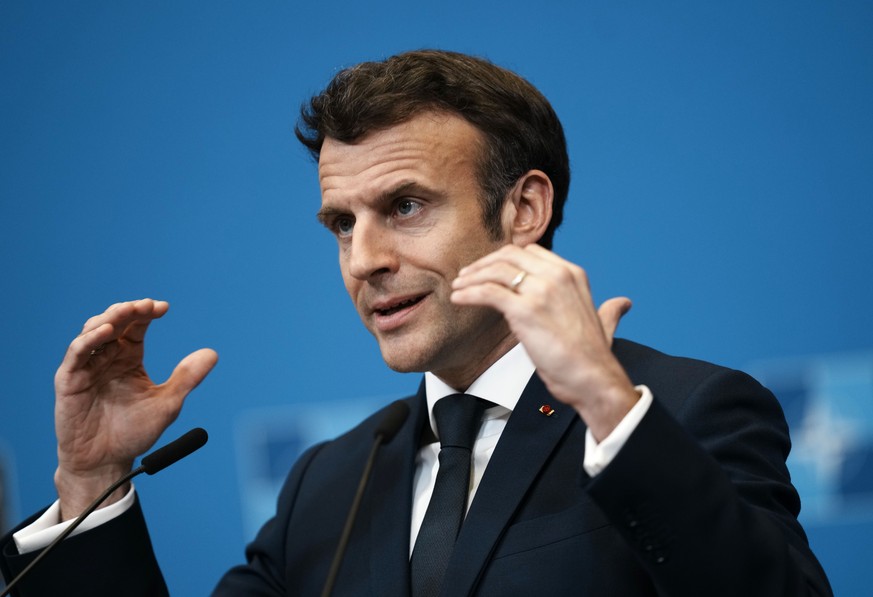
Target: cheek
[(352, 286), (473, 249), (351, 283)]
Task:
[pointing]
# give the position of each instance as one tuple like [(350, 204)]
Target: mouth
[(396, 307)]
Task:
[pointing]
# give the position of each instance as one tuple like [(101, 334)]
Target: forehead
[(431, 148)]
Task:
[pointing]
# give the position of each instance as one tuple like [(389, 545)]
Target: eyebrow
[(326, 213)]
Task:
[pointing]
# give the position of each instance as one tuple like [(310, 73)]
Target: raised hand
[(107, 409), (547, 302)]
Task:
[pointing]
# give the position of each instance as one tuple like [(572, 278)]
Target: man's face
[(403, 205)]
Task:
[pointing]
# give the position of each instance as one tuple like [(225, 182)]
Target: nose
[(371, 251)]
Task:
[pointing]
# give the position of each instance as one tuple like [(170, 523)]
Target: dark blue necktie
[(457, 419)]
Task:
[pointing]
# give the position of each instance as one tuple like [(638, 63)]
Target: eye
[(343, 225), (407, 207)]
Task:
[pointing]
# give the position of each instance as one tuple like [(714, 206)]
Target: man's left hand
[(547, 303)]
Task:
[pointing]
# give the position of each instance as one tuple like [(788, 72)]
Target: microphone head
[(174, 451), (392, 421)]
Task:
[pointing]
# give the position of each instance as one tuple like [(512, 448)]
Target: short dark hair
[(521, 130)]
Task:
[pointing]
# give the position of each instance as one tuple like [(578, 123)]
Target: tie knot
[(457, 419)]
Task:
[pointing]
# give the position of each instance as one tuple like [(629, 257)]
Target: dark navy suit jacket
[(698, 502)]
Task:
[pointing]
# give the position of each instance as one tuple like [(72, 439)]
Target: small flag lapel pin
[(547, 410)]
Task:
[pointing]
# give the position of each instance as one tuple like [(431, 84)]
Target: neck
[(461, 378)]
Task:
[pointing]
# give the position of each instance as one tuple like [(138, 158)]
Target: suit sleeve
[(112, 559), (701, 494)]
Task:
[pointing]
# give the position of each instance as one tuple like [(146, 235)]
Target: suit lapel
[(389, 507), (523, 449)]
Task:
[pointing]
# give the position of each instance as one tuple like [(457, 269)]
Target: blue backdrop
[(723, 177)]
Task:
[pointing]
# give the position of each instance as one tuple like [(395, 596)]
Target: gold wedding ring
[(517, 280)]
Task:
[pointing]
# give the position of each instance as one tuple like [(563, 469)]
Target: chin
[(404, 365), (405, 359)]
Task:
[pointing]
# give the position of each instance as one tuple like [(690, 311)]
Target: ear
[(528, 209)]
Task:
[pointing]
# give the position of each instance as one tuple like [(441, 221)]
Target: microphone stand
[(394, 417), (79, 520), (151, 464)]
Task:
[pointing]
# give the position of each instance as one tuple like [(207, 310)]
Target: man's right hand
[(107, 409)]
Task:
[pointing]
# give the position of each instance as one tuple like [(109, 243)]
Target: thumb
[(191, 371), (611, 312)]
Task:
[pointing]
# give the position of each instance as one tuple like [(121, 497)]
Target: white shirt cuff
[(46, 528), (598, 456)]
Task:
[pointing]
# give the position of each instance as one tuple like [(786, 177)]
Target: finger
[(80, 349), (499, 279), (562, 270), (611, 312), (94, 344), (513, 267), (190, 372), (502, 273), (138, 325), (497, 295), (121, 315)]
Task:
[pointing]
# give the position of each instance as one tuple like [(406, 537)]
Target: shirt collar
[(502, 383)]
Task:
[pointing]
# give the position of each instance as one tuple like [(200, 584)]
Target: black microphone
[(391, 422), (151, 464), (174, 451)]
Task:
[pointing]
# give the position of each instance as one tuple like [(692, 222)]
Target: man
[(600, 468)]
